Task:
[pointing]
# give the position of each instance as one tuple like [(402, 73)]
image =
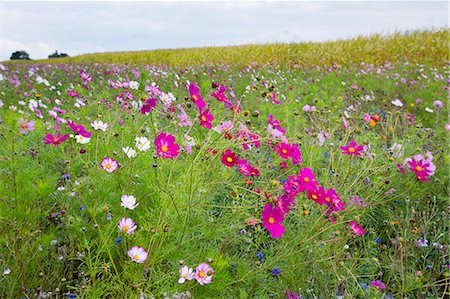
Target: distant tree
[(20, 55), (56, 55)]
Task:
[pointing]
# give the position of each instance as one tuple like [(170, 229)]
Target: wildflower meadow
[(227, 180)]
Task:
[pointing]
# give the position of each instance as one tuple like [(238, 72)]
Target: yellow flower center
[(23, 125), (314, 196), (271, 220), (201, 274), (125, 228), (108, 166), (351, 150), (195, 97), (135, 257), (164, 149), (203, 118), (306, 180), (327, 199), (229, 159), (55, 139), (284, 151), (418, 168)]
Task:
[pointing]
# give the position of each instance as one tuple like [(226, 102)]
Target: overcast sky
[(80, 27)]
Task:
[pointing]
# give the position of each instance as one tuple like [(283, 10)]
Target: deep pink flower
[(254, 172), (306, 179), (244, 167), (400, 168), (275, 124), (229, 158), (356, 229), (220, 94), (318, 195), (72, 93), (206, 119), (166, 146), (79, 129), (284, 203), (296, 155), (196, 97), (352, 149), (148, 105), (284, 150), (376, 284), (55, 140), (271, 219)]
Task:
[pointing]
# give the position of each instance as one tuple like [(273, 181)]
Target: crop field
[(317, 172)]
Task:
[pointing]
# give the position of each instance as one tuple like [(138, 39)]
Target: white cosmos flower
[(99, 125), (82, 140), (397, 103), (142, 144), (131, 153), (133, 85), (129, 202), (186, 274), (429, 110)]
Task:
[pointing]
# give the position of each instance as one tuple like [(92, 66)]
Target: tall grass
[(423, 46)]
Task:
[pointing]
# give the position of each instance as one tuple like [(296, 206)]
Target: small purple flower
[(422, 242), (376, 284), (276, 271)]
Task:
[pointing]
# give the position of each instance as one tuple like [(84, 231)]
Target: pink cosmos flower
[(196, 97), (127, 225), (376, 284), (72, 93), (229, 158), (55, 140), (25, 126), (183, 117), (220, 94), (344, 123), (308, 108), (275, 124), (352, 149), (356, 229), (206, 118), (284, 203), (137, 254), (204, 274), (225, 127), (271, 219), (109, 164), (438, 105), (273, 96), (128, 202), (166, 146), (367, 117)]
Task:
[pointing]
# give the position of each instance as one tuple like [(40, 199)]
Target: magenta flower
[(220, 94), (271, 219), (284, 150), (79, 129), (244, 167), (196, 97), (306, 179), (109, 164), (148, 105), (166, 146), (25, 126), (206, 118), (423, 168), (204, 274), (275, 124), (352, 149), (296, 155), (229, 158), (378, 285), (55, 140), (317, 195), (356, 229)]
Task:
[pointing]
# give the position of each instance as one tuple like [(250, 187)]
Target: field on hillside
[(225, 181)]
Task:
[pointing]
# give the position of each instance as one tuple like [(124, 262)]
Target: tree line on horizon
[(23, 55)]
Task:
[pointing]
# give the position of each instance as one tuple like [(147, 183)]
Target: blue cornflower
[(260, 255), (118, 240), (276, 271)]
